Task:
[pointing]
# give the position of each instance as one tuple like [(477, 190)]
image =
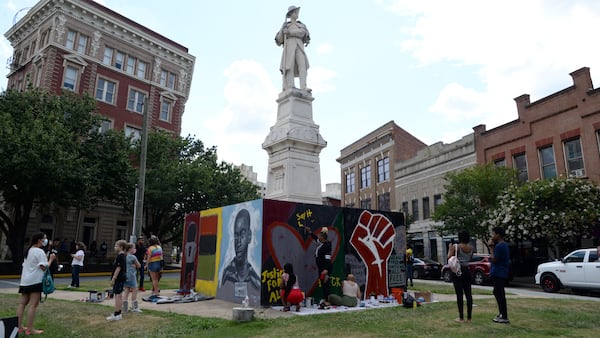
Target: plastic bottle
[(245, 301)]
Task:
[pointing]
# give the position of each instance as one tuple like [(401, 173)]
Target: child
[(118, 279), (133, 266)]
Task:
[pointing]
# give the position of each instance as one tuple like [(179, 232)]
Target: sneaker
[(501, 320), (142, 290), (70, 287), (498, 316), (113, 318), (137, 310)]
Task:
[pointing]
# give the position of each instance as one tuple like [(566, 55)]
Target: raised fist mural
[(373, 239)]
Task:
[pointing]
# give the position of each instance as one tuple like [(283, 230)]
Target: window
[(71, 74), (105, 90), (350, 177), (365, 204), (82, 44), (167, 79), (70, 43), (437, 200), (134, 133), (108, 55), (574, 157), (547, 162), (119, 60), (405, 208), (415, 209), (365, 177), (76, 41), (520, 165), (141, 69), (135, 102), (383, 201), (105, 126), (165, 110), (426, 213), (383, 170), (500, 162), (131, 61)]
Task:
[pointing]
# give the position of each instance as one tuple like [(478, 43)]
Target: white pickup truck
[(579, 270)]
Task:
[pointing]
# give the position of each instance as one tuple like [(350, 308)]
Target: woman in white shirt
[(350, 293), (77, 264), (30, 287)]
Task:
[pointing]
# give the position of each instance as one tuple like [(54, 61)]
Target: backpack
[(47, 285), (454, 263)]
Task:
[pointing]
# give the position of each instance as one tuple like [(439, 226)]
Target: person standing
[(499, 272), (409, 260), (290, 289), (130, 285), (118, 279), (30, 286), (77, 264), (154, 257), (462, 282), (323, 260), (293, 36), (140, 253)]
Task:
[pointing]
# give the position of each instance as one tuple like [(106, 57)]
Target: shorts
[(118, 287), (27, 289), (130, 284), (154, 267), (295, 296)]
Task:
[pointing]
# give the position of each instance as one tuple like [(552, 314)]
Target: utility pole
[(138, 209)]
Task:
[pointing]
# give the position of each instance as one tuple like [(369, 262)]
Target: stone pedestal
[(294, 145), (242, 314)]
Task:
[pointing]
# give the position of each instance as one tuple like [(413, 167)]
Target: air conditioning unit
[(578, 173)]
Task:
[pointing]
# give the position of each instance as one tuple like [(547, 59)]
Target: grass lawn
[(164, 284), (530, 317)]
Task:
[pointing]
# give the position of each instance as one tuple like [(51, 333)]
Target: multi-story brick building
[(367, 166), (82, 46), (558, 135), (419, 189)]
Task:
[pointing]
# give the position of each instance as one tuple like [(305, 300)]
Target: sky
[(437, 68)]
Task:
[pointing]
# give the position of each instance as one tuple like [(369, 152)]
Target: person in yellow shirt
[(409, 260)]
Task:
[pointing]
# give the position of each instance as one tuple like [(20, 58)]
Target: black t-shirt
[(140, 252), (122, 263)]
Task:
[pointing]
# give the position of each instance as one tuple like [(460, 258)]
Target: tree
[(470, 196), (558, 211), (182, 177), (50, 155)]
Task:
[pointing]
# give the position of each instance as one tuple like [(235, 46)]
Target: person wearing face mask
[(30, 287)]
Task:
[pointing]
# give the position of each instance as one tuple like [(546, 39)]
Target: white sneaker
[(113, 318), (137, 310)]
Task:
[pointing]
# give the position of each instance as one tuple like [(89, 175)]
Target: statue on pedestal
[(293, 36)]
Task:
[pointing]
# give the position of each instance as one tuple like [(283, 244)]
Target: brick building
[(82, 46), (558, 135), (367, 167)]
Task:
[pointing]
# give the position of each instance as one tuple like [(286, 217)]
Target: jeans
[(462, 285), (141, 275), (75, 270)]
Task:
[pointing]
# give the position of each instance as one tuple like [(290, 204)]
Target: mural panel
[(240, 255)]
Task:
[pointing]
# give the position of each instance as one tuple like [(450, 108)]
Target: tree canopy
[(470, 196), (52, 154), (556, 210), (183, 176)]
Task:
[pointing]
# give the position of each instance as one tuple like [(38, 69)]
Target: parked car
[(426, 268), (479, 266), (579, 270)]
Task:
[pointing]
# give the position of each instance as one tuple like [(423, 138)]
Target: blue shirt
[(502, 261)]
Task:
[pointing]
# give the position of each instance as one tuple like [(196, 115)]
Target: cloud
[(516, 47), (320, 79), (325, 48)]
